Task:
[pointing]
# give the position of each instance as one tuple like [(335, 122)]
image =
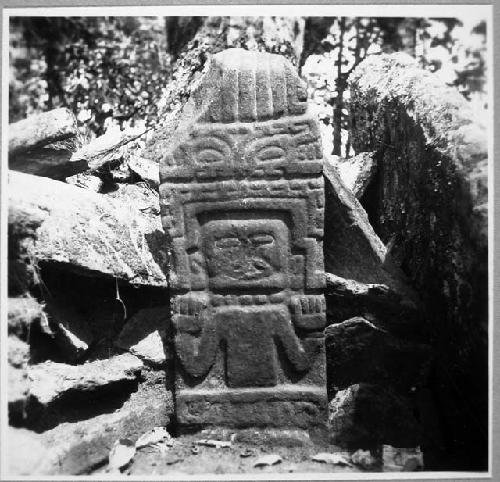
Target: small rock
[(121, 455), (246, 453), (219, 444), (72, 331), (402, 459), (69, 342), (364, 459), (86, 180), (412, 464), (144, 334), (155, 435), (327, 458), (171, 459), (146, 169), (271, 459)]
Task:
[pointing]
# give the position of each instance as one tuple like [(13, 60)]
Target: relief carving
[(242, 197)]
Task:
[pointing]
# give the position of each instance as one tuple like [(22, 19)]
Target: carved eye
[(209, 150), (227, 243), (207, 156), (262, 239), (271, 153)]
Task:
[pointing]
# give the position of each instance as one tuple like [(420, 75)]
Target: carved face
[(246, 253)]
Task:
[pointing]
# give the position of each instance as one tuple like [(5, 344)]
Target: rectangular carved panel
[(242, 202)]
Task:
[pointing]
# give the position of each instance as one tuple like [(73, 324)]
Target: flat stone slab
[(86, 230), (242, 201), (50, 381)]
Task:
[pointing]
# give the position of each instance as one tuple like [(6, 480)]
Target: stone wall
[(428, 202)]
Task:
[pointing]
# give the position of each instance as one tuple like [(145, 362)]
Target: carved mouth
[(249, 269)]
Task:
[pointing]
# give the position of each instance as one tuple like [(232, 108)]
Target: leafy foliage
[(108, 70), (114, 71)]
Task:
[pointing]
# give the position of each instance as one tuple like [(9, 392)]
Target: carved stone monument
[(242, 202)]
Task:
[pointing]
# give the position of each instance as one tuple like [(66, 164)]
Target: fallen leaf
[(327, 458), (121, 454), (271, 459)]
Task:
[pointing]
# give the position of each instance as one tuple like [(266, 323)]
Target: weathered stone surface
[(41, 129), (357, 351), (72, 330), (247, 265), (366, 416), (402, 459), (22, 314), (18, 352), (26, 452), (77, 448), (18, 387), (142, 197), (386, 307), (353, 249), (43, 144), (51, 382), (57, 223), (429, 204), (145, 169), (356, 172), (106, 151), (86, 180), (144, 335)]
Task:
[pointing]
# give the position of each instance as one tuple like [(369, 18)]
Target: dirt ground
[(187, 457)]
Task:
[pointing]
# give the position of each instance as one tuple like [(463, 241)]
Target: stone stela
[(242, 203)]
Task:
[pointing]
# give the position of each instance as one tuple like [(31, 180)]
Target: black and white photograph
[(247, 242)]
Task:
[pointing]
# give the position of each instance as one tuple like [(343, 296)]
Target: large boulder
[(52, 222), (429, 203)]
